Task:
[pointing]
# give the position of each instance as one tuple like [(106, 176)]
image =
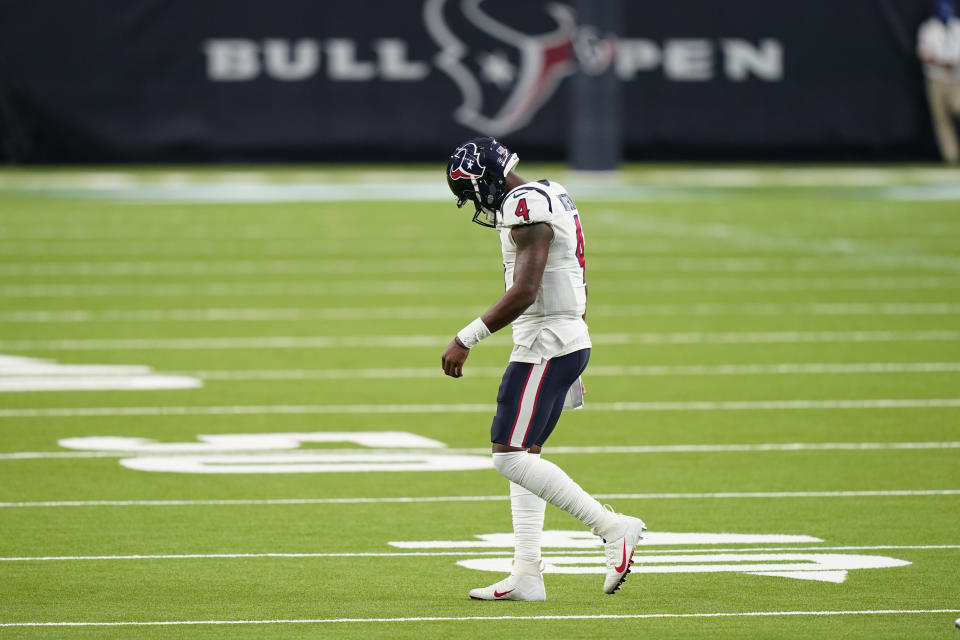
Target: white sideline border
[(609, 616), (722, 495)]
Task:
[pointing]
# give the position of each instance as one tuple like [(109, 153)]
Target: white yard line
[(249, 314), (593, 371), (460, 553), (243, 267), (726, 495), (241, 556), (294, 314), (772, 446), (623, 449), (373, 409), (682, 264), (419, 341), (525, 618), (281, 247), (225, 289), (405, 287)]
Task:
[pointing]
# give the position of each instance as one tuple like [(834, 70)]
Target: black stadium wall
[(171, 80)]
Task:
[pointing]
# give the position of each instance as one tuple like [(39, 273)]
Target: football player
[(541, 237)]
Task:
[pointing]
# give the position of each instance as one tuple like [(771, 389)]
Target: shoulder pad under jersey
[(526, 205)]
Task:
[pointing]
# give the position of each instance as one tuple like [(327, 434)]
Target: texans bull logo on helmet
[(469, 166)]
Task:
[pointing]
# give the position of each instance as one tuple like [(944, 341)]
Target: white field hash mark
[(626, 616), (372, 409), (724, 495)]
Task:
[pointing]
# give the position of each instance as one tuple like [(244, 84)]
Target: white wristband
[(473, 333)]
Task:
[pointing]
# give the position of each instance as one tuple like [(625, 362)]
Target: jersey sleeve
[(526, 205)]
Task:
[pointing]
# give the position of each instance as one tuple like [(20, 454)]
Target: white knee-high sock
[(527, 510), (548, 481)]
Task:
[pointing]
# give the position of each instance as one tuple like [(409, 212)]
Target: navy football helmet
[(477, 171)]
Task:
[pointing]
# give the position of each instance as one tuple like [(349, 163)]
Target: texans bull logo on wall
[(506, 74), (506, 60)]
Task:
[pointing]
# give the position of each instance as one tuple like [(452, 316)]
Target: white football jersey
[(940, 41), (553, 325)]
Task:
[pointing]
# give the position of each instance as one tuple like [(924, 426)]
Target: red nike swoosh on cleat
[(623, 563), (498, 594)]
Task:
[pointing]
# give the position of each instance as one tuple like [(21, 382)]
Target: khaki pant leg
[(940, 99), (953, 92)]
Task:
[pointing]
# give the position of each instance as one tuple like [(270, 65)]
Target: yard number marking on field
[(799, 564)]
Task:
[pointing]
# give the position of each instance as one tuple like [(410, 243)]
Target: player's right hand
[(453, 358)]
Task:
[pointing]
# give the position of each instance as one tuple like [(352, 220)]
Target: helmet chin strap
[(491, 214), (511, 164)]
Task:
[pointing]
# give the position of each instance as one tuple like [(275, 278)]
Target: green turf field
[(776, 356)]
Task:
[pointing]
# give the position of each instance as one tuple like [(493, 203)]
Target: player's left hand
[(453, 358)]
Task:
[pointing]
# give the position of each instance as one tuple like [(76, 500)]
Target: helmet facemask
[(489, 216)]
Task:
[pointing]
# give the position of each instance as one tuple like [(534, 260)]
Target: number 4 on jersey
[(522, 211)]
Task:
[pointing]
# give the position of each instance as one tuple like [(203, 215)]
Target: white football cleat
[(513, 587), (619, 553)]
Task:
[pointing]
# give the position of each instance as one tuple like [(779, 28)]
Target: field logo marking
[(799, 564), (20, 373), (258, 453)]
